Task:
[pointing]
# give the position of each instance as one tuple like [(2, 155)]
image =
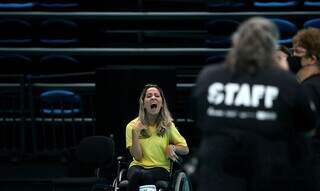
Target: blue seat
[(287, 30), (14, 5), (59, 32), (312, 23), (60, 102), (312, 4), (54, 5), (15, 32), (57, 127), (276, 4), (219, 32), (230, 5)]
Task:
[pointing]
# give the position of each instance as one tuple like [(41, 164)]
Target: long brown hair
[(164, 119)]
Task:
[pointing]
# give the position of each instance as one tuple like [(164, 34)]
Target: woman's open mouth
[(153, 106)]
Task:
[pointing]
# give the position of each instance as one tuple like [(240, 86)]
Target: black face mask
[(294, 63)]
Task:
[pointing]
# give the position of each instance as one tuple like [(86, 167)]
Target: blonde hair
[(164, 119)]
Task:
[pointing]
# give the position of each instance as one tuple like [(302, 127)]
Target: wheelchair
[(179, 180)]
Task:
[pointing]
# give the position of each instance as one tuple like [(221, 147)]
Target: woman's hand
[(171, 152), (135, 150), (138, 127)]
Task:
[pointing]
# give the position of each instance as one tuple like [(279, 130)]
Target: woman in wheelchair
[(152, 140)]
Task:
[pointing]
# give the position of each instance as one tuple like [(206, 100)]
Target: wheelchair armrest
[(179, 160), (122, 161), (121, 169), (122, 175)]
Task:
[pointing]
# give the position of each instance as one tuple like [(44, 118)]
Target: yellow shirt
[(153, 147)]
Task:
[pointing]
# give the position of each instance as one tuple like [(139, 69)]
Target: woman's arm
[(181, 150), (178, 144), (135, 149), (173, 150)]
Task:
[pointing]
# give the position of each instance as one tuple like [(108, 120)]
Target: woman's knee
[(134, 173)]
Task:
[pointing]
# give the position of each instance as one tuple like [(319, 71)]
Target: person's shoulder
[(171, 124), (171, 127), (285, 81), (133, 121), (312, 85), (312, 80), (281, 75)]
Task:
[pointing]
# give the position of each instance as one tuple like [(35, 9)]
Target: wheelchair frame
[(179, 180)]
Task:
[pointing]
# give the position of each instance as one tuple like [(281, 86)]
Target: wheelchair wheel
[(182, 182)]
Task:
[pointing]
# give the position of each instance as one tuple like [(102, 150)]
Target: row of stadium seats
[(165, 5), (67, 33), (41, 118), (22, 64)]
